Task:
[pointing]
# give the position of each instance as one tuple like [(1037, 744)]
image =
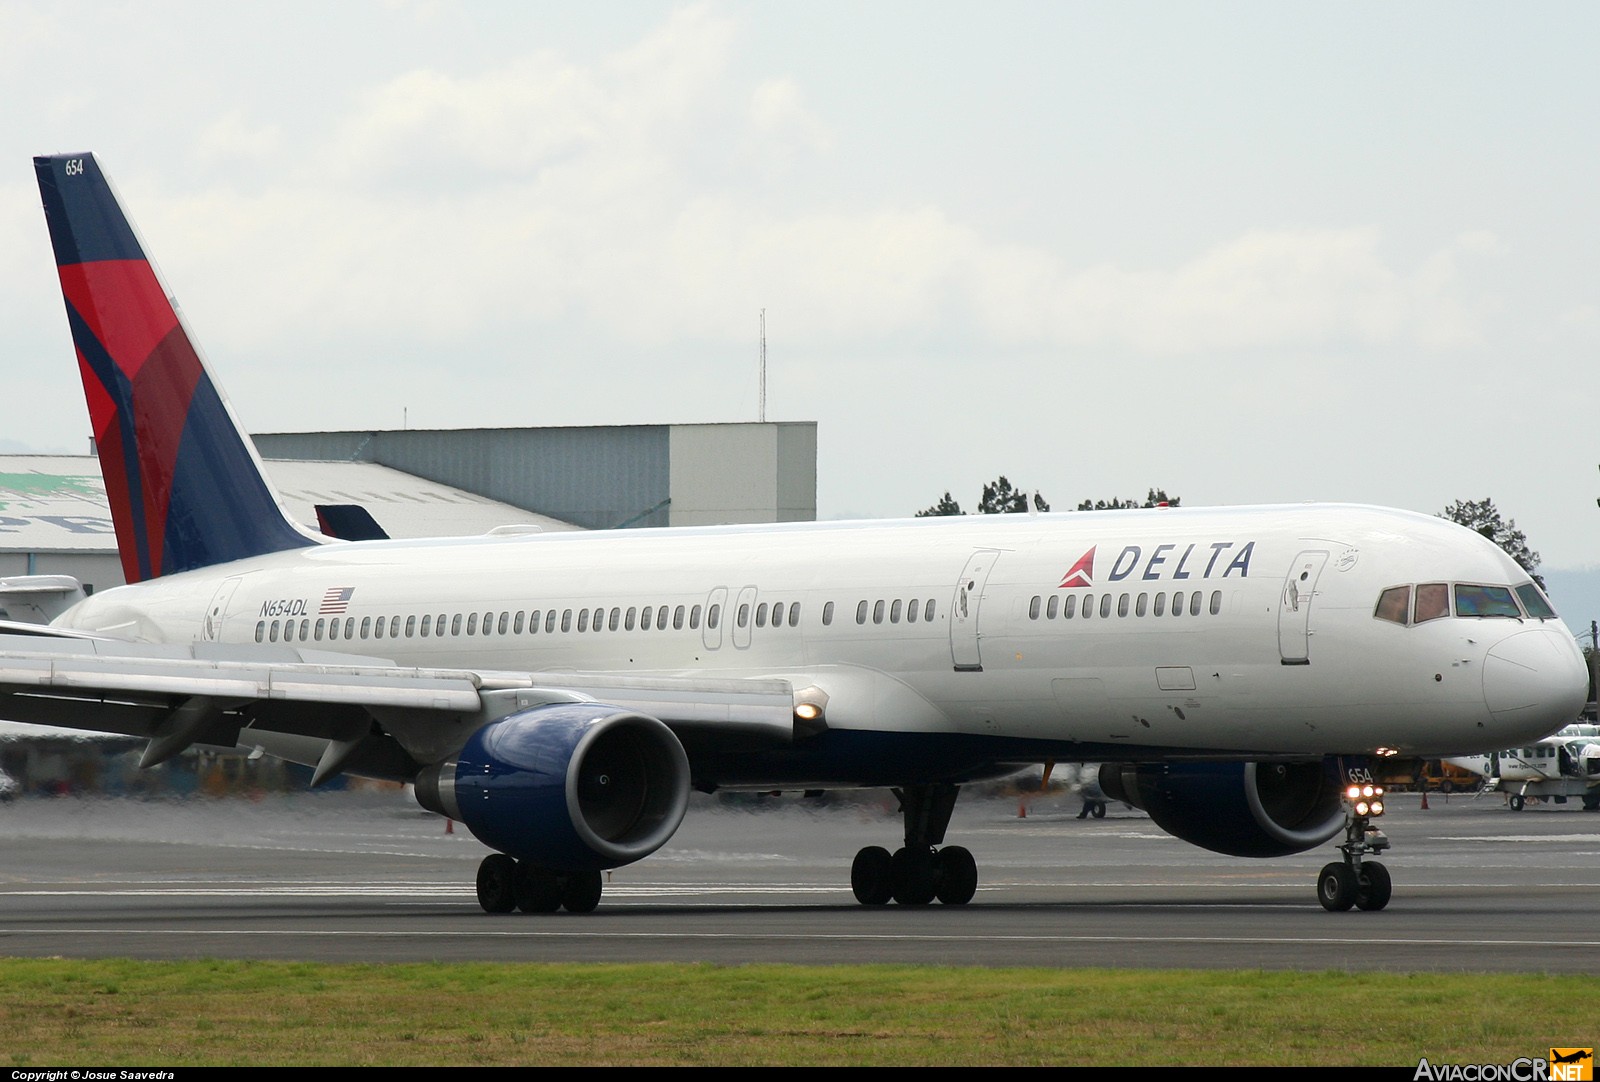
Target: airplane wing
[(337, 711)]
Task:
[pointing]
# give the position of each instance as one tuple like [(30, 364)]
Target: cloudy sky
[(1247, 252)]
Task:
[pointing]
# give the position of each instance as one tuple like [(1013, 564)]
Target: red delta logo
[(1081, 573)]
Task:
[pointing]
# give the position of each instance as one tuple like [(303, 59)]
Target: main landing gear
[(921, 871), (1364, 884), (505, 884)]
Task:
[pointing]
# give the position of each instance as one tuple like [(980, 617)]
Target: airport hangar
[(55, 518)]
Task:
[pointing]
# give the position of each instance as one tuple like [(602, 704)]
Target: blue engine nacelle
[(568, 786), (1242, 809)]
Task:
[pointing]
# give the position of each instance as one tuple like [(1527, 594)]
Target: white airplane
[(1564, 764), (561, 694)]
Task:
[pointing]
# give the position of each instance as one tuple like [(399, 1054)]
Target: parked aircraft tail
[(185, 485)]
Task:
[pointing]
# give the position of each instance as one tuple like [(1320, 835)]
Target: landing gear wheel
[(581, 892), (1337, 887), (1591, 801), (1098, 810), (911, 873), (1517, 801), (957, 875), (872, 876), (537, 889), (497, 877), (1373, 886)]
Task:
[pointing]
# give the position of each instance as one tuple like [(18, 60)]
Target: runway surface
[(369, 877)]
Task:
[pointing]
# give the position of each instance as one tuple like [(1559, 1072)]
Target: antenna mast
[(761, 413)]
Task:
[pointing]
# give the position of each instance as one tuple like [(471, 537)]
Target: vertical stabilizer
[(185, 485)]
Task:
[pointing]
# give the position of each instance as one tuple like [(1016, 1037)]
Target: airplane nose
[(1537, 678)]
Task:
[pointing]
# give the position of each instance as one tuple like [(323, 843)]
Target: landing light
[(1367, 800)]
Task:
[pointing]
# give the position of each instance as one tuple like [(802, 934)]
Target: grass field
[(71, 1014)]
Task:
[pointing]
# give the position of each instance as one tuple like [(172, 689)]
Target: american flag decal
[(336, 600)]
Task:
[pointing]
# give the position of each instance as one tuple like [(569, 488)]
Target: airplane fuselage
[(1243, 632)]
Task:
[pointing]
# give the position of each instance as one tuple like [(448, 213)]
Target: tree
[(1000, 498), (1483, 517), (1156, 497), (945, 506)]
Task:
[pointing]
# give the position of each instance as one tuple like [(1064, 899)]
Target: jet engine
[(1242, 809), (567, 786)]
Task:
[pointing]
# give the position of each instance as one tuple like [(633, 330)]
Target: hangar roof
[(57, 503)]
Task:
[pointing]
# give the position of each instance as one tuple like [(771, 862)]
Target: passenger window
[(1194, 603), (1122, 605), (583, 620), (273, 636), (1141, 605), (472, 623), (616, 618), (411, 627), (1486, 601), (761, 614), (350, 627), (894, 611), (927, 611), (566, 619), (1105, 605), (1216, 602), (877, 612), (1177, 603), (711, 617), (598, 621), (316, 632), (504, 616), (646, 616), (550, 622), (1088, 606), (261, 630), (1033, 608), (1070, 609), (426, 621), (827, 614), (661, 617), (516, 628), (677, 618), (861, 613), (1394, 604), (777, 614), (366, 626), (1160, 606), (794, 614), (744, 614), (1433, 601)]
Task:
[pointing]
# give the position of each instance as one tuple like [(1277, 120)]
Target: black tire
[(1591, 800), (538, 889), (581, 892), (1099, 810), (956, 874), (1336, 887), (497, 877), (1373, 886), (1517, 801), (872, 876), (912, 876)]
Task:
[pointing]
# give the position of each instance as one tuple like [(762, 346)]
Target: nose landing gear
[(1363, 884)]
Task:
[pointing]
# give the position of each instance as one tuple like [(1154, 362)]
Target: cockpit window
[(1394, 604), (1535, 602), (1433, 601), (1486, 601)]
